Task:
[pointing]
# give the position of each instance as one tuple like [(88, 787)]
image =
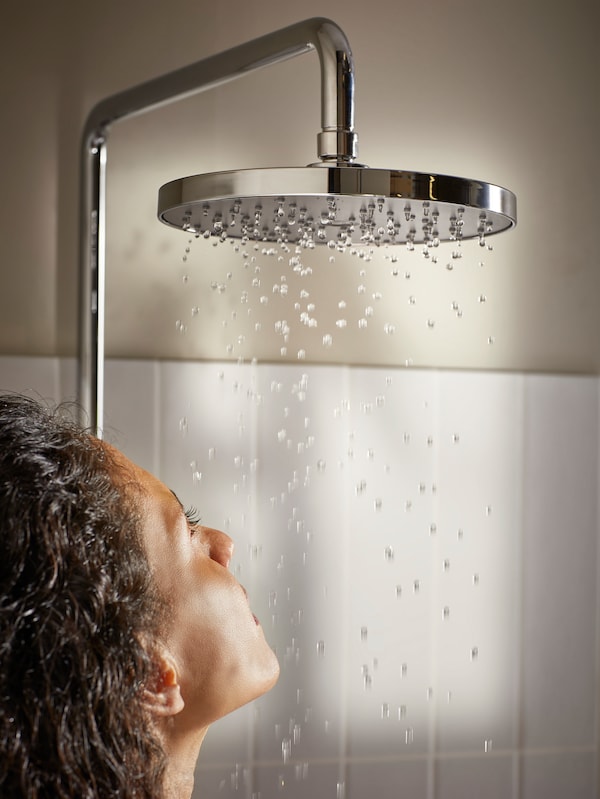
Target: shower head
[(339, 205)]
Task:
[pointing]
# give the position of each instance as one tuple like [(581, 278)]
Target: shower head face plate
[(338, 206)]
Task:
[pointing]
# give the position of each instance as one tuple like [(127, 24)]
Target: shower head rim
[(426, 190)]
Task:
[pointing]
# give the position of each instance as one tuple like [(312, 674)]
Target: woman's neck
[(182, 751)]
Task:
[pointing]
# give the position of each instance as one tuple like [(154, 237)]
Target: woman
[(123, 635)]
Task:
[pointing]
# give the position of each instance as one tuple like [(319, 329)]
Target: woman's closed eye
[(193, 518)]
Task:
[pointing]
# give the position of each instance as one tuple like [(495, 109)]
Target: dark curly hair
[(76, 605)]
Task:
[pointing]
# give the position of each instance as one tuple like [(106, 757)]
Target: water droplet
[(474, 652), (446, 613), (488, 745), (389, 554), (364, 633), (385, 711), (378, 504), (320, 648), (327, 340), (321, 465)]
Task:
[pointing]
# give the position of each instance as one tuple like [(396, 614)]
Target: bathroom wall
[(421, 547)]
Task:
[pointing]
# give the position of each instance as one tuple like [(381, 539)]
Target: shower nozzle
[(336, 199), (343, 204)]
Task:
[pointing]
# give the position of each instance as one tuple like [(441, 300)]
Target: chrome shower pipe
[(336, 143)]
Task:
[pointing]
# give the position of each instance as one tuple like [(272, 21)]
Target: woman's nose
[(220, 546)]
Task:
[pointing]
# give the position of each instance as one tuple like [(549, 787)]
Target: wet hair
[(76, 605)]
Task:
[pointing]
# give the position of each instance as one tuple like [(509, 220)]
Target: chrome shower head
[(340, 205)]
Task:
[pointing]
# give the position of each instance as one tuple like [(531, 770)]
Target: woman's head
[(95, 579)]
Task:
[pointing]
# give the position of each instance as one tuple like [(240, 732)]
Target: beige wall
[(506, 94)]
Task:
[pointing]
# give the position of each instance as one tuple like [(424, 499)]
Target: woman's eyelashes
[(193, 518)]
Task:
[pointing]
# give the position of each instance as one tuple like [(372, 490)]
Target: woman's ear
[(163, 695)]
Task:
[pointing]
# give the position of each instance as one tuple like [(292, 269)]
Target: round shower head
[(346, 205)]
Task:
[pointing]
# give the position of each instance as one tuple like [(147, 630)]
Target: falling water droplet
[(321, 648), (389, 554)]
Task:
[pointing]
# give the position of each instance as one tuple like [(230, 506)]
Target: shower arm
[(336, 144)]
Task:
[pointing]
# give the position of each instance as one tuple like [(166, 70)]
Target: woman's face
[(222, 657)]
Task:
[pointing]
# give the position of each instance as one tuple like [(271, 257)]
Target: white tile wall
[(422, 548)]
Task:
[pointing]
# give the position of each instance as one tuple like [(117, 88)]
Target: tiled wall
[(421, 548)]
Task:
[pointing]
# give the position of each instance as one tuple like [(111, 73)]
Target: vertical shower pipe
[(336, 144)]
